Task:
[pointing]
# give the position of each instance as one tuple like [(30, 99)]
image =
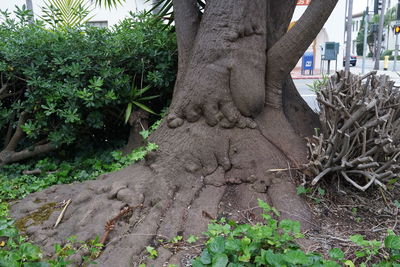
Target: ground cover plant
[(73, 86), (226, 243), (16, 182)]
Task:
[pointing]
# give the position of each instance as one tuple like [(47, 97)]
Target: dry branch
[(62, 213), (360, 130)]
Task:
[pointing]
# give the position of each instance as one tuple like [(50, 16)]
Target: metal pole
[(348, 39), (365, 45), (380, 31), (345, 20), (30, 7), (396, 52)]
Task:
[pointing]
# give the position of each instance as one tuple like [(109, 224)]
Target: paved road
[(308, 95), (369, 64)]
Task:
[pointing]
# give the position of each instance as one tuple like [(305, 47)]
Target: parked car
[(353, 60)]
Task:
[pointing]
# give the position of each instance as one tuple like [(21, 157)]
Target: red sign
[(303, 2)]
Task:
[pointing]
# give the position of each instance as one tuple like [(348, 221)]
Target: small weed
[(176, 239), (317, 84), (192, 239), (315, 195), (152, 252)]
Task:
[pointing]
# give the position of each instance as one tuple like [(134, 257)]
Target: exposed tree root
[(176, 193)]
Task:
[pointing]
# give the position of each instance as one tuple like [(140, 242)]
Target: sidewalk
[(296, 74), (394, 75)]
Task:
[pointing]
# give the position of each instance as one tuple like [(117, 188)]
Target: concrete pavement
[(302, 81)]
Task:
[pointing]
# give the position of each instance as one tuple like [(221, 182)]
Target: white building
[(101, 16), (333, 31), (388, 33)]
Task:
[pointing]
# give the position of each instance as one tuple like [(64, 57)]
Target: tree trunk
[(227, 128), (138, 121)]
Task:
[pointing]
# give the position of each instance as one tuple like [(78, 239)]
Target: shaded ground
[(344, 211)]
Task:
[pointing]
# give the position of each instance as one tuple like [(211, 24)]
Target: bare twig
[(360, 139), (62, 213)]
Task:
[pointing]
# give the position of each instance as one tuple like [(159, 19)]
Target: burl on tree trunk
[(235, 115)]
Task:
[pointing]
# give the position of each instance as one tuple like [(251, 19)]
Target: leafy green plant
[(316, 194), (14, 249), (152, 252), (17, 251), (273, 244), (136, 99), (90, 249), (317, 84), (389, 250), (71, 88), (14, 185), (268, 244)]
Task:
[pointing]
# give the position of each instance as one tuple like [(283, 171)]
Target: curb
[(306, 77)]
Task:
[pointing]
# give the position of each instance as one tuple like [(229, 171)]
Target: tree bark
[(217, 146), (187, 22), (138, 122)]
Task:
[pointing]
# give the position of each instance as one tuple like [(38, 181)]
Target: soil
[(344, 211)]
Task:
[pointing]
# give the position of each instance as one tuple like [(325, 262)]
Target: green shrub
[(72, 86), (387, 53)]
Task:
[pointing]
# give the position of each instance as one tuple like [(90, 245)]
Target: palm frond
[(66, 13), (164, 9), (109, 3)]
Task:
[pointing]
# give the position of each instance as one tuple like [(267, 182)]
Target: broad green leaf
[(205, 257), (30, 252), (233, 245), (9, 232), (296, 257), (301, 190), (392, 242), (336, 253), (197, 263), (360, 254), (217, 245), (357, 239), (272, 259), (36, 264), (349, 263), (219, 260), (290, 226)]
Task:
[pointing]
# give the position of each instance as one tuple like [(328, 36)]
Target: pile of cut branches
[(359, 139)]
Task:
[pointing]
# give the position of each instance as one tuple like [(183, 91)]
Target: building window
[(99, 24)]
